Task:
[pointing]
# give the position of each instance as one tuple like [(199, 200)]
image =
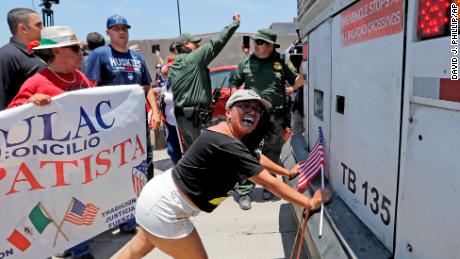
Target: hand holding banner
[(83, 144)]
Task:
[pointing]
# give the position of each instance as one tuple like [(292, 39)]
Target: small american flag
[(310, 167), (81, 214), (139, 177)]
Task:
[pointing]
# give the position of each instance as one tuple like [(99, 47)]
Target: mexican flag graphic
[(29, 228)]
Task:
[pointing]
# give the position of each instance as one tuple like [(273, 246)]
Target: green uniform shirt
[(189, 74), (265, 76)]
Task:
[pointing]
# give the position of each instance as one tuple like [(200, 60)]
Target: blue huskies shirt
[(110, 67)]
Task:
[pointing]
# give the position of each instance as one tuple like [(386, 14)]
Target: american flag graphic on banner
[(81, 214), (139, 177), (310, 167)]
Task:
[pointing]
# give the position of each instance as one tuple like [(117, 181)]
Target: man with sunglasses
[(265, 72), (17, 63)]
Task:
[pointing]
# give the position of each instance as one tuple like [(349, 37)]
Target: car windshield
[(219, 79)]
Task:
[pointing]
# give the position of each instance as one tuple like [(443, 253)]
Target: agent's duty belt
[(199, 115), (178, 111)]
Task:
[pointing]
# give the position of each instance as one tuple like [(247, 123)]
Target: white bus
[(383, 85)]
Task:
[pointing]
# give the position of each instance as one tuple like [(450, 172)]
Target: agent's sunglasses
[(260, 42), (74, 48), (248, 108)]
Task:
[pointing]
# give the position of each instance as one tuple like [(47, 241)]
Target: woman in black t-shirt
[(208, 173)]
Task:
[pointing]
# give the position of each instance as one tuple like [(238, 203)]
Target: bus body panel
[(427, 212), (390, 117)]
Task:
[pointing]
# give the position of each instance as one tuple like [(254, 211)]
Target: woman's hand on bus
[(320, 196), (294, 171)]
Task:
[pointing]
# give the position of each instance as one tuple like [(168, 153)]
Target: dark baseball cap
[(117, 19), (184, 37)]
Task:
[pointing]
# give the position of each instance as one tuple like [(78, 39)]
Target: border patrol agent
[(265, 72), (191, 84)]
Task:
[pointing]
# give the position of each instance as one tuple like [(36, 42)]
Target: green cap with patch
[(266, 35), (186, 37)]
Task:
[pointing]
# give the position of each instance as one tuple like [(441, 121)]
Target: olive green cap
[(184, 37), (266, 35)]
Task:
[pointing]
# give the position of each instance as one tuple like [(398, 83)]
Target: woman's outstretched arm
[(287, 193)]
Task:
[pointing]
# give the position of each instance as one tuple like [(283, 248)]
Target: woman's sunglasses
[(74, 48)]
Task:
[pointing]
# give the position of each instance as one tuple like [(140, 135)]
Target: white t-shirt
[(169, 109)]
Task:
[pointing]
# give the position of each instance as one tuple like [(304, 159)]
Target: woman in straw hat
[(64, 56)]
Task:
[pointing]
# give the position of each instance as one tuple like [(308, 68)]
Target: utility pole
[(178, 17)]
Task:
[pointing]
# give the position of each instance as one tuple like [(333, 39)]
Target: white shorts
[(163, 211)]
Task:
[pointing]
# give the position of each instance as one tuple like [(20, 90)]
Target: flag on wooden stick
[(310, 167)]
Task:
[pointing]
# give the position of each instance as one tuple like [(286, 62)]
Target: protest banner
[(71, 169)]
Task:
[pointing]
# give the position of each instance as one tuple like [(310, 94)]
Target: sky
[(156, 19)]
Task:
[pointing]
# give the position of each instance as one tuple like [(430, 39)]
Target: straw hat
[(56, 37)]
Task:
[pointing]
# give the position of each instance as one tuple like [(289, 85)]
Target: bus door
[(319, 89)]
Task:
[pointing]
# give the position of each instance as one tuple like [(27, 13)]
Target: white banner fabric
[(71, 169)]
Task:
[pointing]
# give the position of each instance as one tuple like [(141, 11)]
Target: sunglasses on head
[(74, 48), (260, 42)]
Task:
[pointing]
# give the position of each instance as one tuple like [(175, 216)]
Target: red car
[(220, 86)]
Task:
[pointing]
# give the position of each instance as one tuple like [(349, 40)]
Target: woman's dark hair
[(45, 54)]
